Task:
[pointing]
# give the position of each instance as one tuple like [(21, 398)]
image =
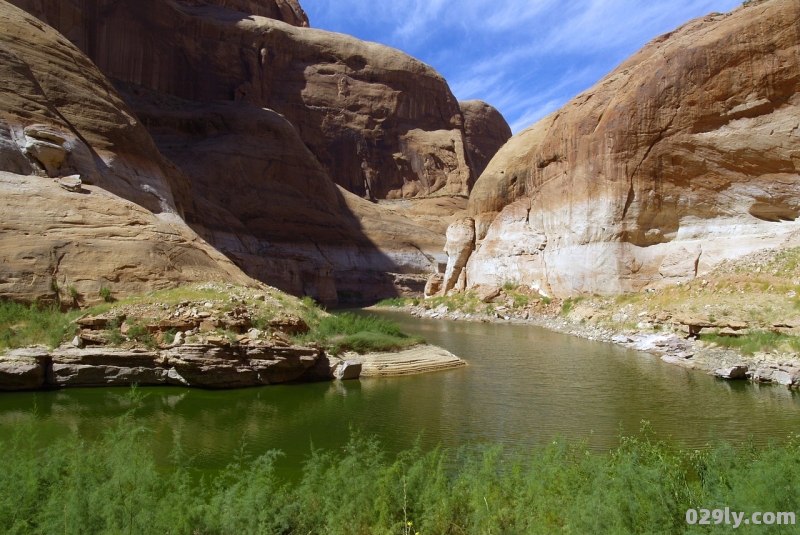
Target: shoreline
[(207, 366), (672, 346)]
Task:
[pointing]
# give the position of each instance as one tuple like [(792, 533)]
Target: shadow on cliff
[(263, 200)]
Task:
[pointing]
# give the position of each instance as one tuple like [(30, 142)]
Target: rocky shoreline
[(673, 345), (207, 366)]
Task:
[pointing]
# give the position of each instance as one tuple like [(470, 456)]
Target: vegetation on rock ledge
[(200, 313)]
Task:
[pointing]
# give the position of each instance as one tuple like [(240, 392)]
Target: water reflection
[(523, 386)]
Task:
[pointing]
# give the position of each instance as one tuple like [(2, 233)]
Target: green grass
[(139, 332), (754, 341), (105, 294), (362, 334), (24, 325), (520, 300), (645, 485), (393, 302), (510, 286), (568, 304), (466, 302)]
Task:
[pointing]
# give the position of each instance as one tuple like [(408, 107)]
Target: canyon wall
[(267, 127), (687, 154), (382, 124), (119, 224)]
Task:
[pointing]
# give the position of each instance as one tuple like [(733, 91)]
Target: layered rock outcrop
[(685, 155), (112, 216), (205, 366)]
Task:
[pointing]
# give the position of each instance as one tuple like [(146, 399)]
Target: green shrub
[(520, 300), (105, 294), (169, 336), (568, 304), (139, 332), (510, 286), (23, 325), (754, 341), (394, 302), (73, 293), (347, 331), (112, 485)]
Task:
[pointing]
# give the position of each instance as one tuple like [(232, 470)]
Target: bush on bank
[(643, 486)]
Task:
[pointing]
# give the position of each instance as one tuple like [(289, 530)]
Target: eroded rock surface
[(459, 246), (87, 199), (381, 123), (486, 130), (685, 155)]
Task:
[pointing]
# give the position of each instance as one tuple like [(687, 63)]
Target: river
[(523, 385)]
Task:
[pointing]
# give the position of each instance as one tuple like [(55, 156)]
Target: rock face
[(685, 155), (261, 185), (268, 204), (205, 366), (459, 246), (111, 217), (486, 130), (381, 123)]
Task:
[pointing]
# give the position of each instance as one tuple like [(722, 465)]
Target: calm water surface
[(523, 386)]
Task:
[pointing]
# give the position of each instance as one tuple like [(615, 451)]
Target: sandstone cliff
[(685, 155), (59, 119), (486, 130), (381, 123), (201, 77)]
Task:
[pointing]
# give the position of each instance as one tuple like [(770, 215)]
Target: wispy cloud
[(525, 57)]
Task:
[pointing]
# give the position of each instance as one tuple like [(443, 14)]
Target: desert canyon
[(216, 140)]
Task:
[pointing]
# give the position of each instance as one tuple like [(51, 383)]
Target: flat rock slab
[(418, 359), (732, 373)]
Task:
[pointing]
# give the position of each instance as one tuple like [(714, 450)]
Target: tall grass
[(351, 332), (23, 325), (754, 341), (643, 486)]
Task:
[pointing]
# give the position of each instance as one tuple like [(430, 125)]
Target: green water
[(523, 386)]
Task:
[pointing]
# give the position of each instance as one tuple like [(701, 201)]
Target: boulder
[(486, 293), (683, 156), (349, 369), (433, 288), (727, 331), (733, 372), (696, 324), (71, 183), (21, 373), (289, 324)]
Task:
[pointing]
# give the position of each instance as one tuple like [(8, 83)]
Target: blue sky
[(525, 57)]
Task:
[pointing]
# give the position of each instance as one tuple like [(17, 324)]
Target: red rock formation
[(686, 154), (381, 123), (267, 203), (59, 116), (486, 130)]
